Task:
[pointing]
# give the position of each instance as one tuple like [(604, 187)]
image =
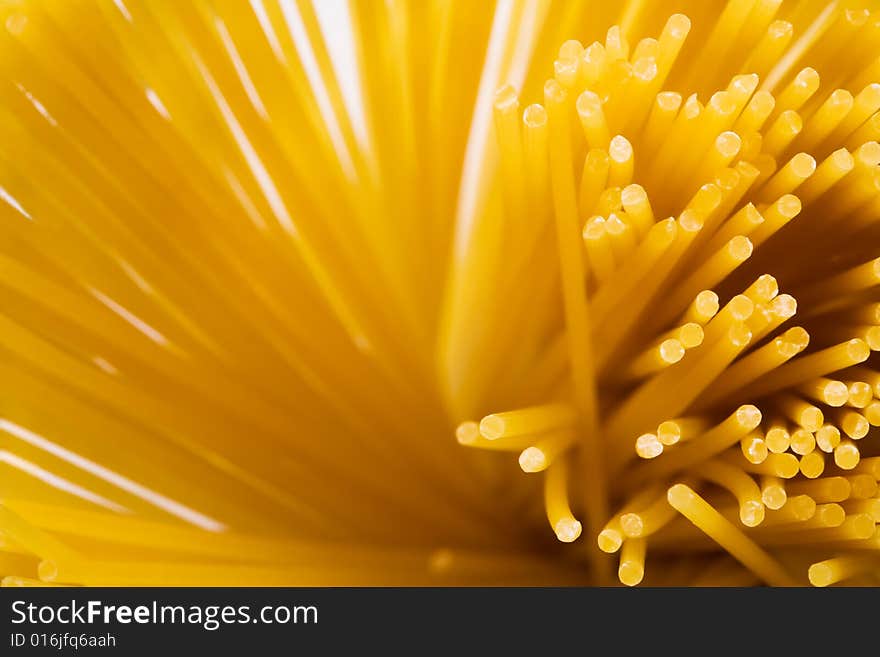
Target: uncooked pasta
[(526, 292)]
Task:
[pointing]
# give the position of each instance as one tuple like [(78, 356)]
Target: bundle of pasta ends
[(263, 324)]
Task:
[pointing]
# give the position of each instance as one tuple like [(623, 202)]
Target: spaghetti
[(277, 314)]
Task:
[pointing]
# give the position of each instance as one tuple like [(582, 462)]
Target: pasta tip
[(568, 530)]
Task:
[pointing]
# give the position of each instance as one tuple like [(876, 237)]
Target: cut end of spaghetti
[(533, 459), (648, 446), (567, 530)]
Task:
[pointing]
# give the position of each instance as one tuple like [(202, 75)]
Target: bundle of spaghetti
[(707, 402), (278, 298)]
